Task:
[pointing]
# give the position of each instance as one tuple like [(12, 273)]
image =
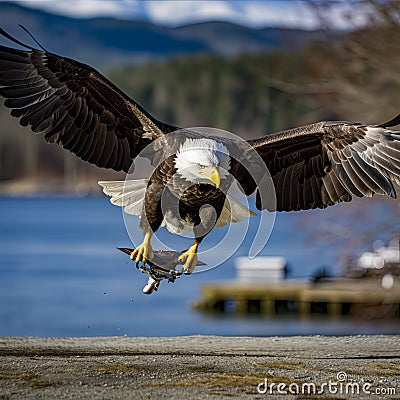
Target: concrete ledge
[(196, 367)]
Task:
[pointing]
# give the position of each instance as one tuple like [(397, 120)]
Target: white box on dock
[(261, 269)]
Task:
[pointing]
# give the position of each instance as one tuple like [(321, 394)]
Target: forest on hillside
[(351, 77)]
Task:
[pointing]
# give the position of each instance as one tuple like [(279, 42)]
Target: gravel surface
[(200, 367)]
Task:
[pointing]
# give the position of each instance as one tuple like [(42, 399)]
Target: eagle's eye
[(202, 166)]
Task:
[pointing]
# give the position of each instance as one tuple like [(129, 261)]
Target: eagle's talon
[(142, 253), (189, 257)]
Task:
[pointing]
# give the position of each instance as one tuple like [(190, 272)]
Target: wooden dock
[(336, 298)]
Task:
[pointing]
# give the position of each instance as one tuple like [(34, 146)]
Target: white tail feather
[(127, 194), (233, 211)]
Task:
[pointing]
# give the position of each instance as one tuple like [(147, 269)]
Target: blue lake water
[(61, 275)]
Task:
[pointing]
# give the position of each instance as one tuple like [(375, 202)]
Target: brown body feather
[(199, 205)]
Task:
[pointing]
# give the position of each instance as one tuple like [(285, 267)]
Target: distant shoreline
[(48, 187)]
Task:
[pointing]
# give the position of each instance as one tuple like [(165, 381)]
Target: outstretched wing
[(75, 106), (325, 163)]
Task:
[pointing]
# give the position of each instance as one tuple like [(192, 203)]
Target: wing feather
[(325, 163), (75, 106)]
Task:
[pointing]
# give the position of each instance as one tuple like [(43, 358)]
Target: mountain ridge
[(107, 42)]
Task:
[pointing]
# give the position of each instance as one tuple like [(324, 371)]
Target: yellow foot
[(190, 258), (143, 252)]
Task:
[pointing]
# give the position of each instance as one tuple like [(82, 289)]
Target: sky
[(254, 13)]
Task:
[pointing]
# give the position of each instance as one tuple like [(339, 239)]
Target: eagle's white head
[(203, 161)]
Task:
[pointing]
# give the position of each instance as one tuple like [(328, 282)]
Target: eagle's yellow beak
[(214, 176)]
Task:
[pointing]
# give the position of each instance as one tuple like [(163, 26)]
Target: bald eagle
[(313, 166)]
